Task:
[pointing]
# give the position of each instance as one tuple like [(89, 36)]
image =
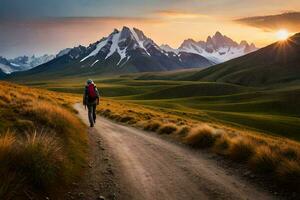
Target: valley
[(244, 110), (261, 109), (149, 100)]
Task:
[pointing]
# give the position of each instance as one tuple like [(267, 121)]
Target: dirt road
[(151, 168)]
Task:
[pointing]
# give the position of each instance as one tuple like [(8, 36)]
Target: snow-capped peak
[(218, 48), (63, 52), (168, 48), (23, 63), (121, 42)]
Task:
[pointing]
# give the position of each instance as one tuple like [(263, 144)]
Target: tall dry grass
[(42, 143), (202, 137), (274, 157)]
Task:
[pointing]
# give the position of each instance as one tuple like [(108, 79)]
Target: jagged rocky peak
[(217, 48), (188, 42), (244, 43)]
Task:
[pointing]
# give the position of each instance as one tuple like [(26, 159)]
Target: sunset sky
[(44, 26)]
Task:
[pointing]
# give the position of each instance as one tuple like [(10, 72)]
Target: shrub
[(152, 126), (167, 129), (35, 160), (125, 119), (288, 173), (183, 131), (105, 113), (222, 145), (202, 137), (265, 160), (289, 153), (241, 150), (116, 117), (52, 116), (40, 158)]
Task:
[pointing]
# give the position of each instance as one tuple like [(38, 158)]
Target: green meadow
[(273, 109)]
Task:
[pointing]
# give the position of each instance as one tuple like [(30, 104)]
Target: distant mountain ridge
[(124, 51), (23, 63), (130, 50), (277, 63), (218, 48)]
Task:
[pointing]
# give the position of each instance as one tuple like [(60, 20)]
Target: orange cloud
[(269, 23)]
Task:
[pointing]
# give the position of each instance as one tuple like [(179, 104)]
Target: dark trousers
[(92, 113)]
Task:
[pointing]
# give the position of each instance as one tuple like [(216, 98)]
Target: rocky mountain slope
[(218, 48), (124, 51)]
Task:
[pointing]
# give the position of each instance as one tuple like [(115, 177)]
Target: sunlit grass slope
[(42, 142), (273, 110), (251, 125), (273, 157)]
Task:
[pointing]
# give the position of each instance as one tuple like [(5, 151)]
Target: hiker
[(91, 99)]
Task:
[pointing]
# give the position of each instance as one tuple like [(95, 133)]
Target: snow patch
[(15, 65), (94, 63), (115, 47), (140, 42), (6, 69), (63, 52), (95, 52), (217, 56)]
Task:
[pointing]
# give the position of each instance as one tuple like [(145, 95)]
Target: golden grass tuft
[(290, 153), (258, 151), (202, 137), (222, 145), (35, 160), (288, 174), (47, 147), (7, 142), (167, 129), (241, 149), (41, 159), (183, 131), (265, 160), (152, 126)]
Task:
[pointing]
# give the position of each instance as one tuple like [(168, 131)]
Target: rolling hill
[(43, 144), (275, 64)]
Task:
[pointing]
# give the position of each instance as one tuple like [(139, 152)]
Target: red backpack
[(92, 92)]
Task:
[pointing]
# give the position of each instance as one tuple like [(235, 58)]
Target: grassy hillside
[(246, 124), (275, 64), (192, 90), (42, 142), (270, 110), (273, 157)]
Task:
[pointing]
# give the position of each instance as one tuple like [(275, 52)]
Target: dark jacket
[(86, 100)]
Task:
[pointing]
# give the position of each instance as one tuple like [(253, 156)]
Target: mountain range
[(23, 63), (278, 63), (130, 50), (218, 48), (124, 51)]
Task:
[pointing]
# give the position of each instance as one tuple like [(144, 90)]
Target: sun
[(282, 34)]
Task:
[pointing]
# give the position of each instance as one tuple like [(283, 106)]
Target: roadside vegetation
[(274, 157), (257, 126), (42, 143)]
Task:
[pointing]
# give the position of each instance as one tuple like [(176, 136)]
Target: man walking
[(91, 99)]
